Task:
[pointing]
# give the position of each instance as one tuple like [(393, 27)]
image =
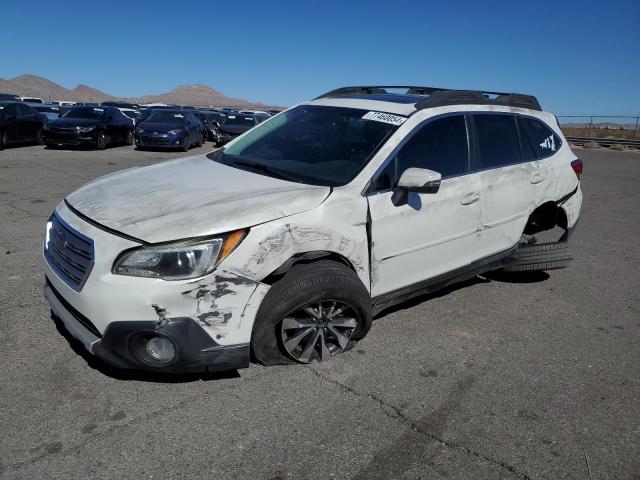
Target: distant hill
[(198, 95)]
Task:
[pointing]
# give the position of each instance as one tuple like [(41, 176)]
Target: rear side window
[(25, 110), (538, 140), (497, 140), (440, 145)]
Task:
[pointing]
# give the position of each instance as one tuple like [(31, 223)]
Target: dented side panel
[(337, 226)]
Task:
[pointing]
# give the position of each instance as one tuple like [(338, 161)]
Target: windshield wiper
[(260, 167)]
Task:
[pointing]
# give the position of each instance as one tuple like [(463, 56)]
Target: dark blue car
[(169, 129)]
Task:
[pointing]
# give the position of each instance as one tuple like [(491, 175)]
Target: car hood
[(190, 197), (160, 127), (74, 122)]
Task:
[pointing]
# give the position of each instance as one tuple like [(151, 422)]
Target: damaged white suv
[(283, 245)]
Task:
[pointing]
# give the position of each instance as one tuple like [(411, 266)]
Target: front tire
[(101, 141), (40, 137), (187, 144), (315, 312), (3, 140)]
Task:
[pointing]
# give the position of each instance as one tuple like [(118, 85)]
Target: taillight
[(577, 167)]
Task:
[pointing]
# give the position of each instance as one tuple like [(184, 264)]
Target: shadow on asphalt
[(82, 148), (517, 277), (496, 276), (137, 375)]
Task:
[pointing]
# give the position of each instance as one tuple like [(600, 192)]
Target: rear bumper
[(196, 350)]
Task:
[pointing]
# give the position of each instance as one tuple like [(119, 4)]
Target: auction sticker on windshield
[(384, 117)]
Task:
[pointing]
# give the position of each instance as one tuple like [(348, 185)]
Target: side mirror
[(418, 180)]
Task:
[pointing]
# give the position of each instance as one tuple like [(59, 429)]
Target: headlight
[(84, 129), (177, 261), (175, 132), (139, 130)]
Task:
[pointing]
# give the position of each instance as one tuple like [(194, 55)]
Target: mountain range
[(198, 95)]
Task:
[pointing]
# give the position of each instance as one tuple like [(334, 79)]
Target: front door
[(431, 233)]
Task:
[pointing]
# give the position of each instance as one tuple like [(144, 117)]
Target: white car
[(285, 243)]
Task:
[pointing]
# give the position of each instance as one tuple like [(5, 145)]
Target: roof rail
[(438, 97), (376, 89)]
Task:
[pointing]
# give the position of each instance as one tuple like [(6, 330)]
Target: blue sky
[(576, 56)]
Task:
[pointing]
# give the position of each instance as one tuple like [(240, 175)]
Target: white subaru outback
[(282, 246)]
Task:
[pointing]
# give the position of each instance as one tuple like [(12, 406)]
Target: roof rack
[(438, 97)]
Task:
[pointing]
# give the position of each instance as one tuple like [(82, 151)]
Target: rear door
[(13, 126), (508, 182), (30, 122), (431, 234)]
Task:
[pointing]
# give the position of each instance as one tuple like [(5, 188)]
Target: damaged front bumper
[(208, 320), (196, 351)]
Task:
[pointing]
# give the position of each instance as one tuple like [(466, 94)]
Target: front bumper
[(161, 140), (227, 137), (196, 351), (209, 319), (68, 138)]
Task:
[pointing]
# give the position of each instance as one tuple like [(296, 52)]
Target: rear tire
[(128, 139), (541, 257), (39, 137), (324, 282)]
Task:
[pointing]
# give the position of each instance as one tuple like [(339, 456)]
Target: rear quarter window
[(498, 140), (538, 140)]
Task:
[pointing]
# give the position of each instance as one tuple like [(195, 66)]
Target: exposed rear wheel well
[(307, 257), (545, 217)]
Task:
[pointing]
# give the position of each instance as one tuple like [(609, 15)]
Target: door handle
[(537, 178), (470, 198)]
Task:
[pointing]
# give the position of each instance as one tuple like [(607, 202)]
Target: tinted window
[(385, 179), (160, 116), (86, 113), (10, 110), (440, 145), (498, 140), (538, 137), (240, 119), (25, 110)]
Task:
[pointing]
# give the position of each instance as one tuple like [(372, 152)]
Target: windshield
[(240, 120), (165, 117), (313, 144), (86, 113)]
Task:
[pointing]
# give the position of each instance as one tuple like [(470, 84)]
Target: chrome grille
[(68, 252)]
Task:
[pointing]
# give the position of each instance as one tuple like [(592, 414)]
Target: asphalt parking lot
[(501, 377)]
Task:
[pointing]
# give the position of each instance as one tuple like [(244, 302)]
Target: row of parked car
[(119, 123)]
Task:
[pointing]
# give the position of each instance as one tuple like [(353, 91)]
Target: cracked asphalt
[(533, 377)]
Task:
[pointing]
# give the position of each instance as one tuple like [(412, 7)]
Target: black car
[(96, 127), (19, 123), (169, 129), (236, 124), (9, 97)]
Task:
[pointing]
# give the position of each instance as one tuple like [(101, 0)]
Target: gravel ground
[(500, 377)]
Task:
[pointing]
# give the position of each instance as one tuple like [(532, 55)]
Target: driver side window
[(440, 145)]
